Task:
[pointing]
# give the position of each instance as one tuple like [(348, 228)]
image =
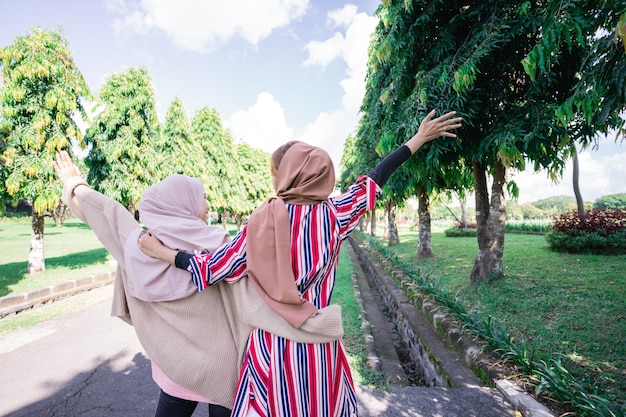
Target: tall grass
[(343, 294)]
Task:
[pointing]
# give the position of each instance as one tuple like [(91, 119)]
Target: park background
[(342, 54)]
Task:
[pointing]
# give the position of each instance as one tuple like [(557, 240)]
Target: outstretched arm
[(429, 129), (110, 221)]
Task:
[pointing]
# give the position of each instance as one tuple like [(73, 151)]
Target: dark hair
[(278, 154)]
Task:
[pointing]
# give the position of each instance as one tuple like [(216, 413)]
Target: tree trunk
[(424, 241), (580, 204), (36, 260), (60, 213), (373, 222), (463, 212), (385, 222), (490, 219), (392, 227), (363, 223), (239, 221), (458, 221)]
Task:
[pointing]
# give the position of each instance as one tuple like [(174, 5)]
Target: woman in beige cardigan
[(195, 340)]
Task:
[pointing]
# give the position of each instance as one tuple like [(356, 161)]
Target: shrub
[(529, 227), (600, 232), (460, 232)]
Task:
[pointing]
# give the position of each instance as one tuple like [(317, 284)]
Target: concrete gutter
[(436, 329)]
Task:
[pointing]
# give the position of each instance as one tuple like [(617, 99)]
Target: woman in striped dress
[(289, 249)]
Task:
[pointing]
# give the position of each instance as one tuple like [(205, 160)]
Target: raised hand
[(433, 128), (64, 167)]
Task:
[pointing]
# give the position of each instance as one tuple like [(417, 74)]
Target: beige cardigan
[(197, 341)]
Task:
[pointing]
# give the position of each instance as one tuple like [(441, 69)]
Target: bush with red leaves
[(603, 222), (599, 232)]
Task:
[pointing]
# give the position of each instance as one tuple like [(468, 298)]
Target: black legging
[(170, 406)]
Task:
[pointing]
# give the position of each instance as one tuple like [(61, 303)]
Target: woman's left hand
[(149, 244)]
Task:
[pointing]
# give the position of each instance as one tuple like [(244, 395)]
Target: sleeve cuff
[(182, 260)]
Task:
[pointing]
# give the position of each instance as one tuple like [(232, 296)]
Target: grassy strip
[(29, 318), (560, 317), (343, 294)]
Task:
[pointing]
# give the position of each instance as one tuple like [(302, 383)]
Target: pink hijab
[(305, 176), (171, 210)]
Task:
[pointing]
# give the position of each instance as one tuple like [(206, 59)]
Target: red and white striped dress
[(280, 377)]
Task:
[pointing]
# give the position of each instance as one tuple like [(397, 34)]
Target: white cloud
[(330, 129), (203, 26), (342, 17), (323, 53), (262, 126), (600, 175)]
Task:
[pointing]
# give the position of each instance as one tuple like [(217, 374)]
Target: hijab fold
[(305, 176), (171, 210)]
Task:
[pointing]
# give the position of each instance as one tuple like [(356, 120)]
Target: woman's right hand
[(64, 167), (432, 128)]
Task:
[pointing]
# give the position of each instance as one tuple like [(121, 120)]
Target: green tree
[(178, 147), (218, 160), (358, 158), (42, 91), (125, 156), (510, 68), (393, 108), (612, 201), (556, 204), (255, 180), (529, 211)]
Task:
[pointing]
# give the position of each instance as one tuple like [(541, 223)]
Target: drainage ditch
[(422, 353)]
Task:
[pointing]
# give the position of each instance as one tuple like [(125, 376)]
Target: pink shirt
[(172, 388)]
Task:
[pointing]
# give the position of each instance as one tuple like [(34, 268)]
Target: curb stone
[(15, 303)]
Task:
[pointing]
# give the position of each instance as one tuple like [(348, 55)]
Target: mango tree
[(177, 144), (42, 92), (217, 160)]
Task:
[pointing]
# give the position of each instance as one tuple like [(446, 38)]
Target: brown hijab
[(305, 176)]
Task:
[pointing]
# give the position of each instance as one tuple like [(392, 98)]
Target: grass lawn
[(570, 305), (71, 252)]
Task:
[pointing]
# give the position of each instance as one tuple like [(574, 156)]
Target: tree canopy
[(41, 95), (518, 72), (124, 158)]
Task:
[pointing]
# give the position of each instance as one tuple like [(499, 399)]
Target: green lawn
[(71, 252), (570, 305)]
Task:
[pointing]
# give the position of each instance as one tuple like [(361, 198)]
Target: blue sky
[(274, 69)]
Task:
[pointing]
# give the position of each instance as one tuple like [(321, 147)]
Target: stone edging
[(474, 356), (15, 303)]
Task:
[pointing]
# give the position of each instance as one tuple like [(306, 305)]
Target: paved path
[(89, 364)]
